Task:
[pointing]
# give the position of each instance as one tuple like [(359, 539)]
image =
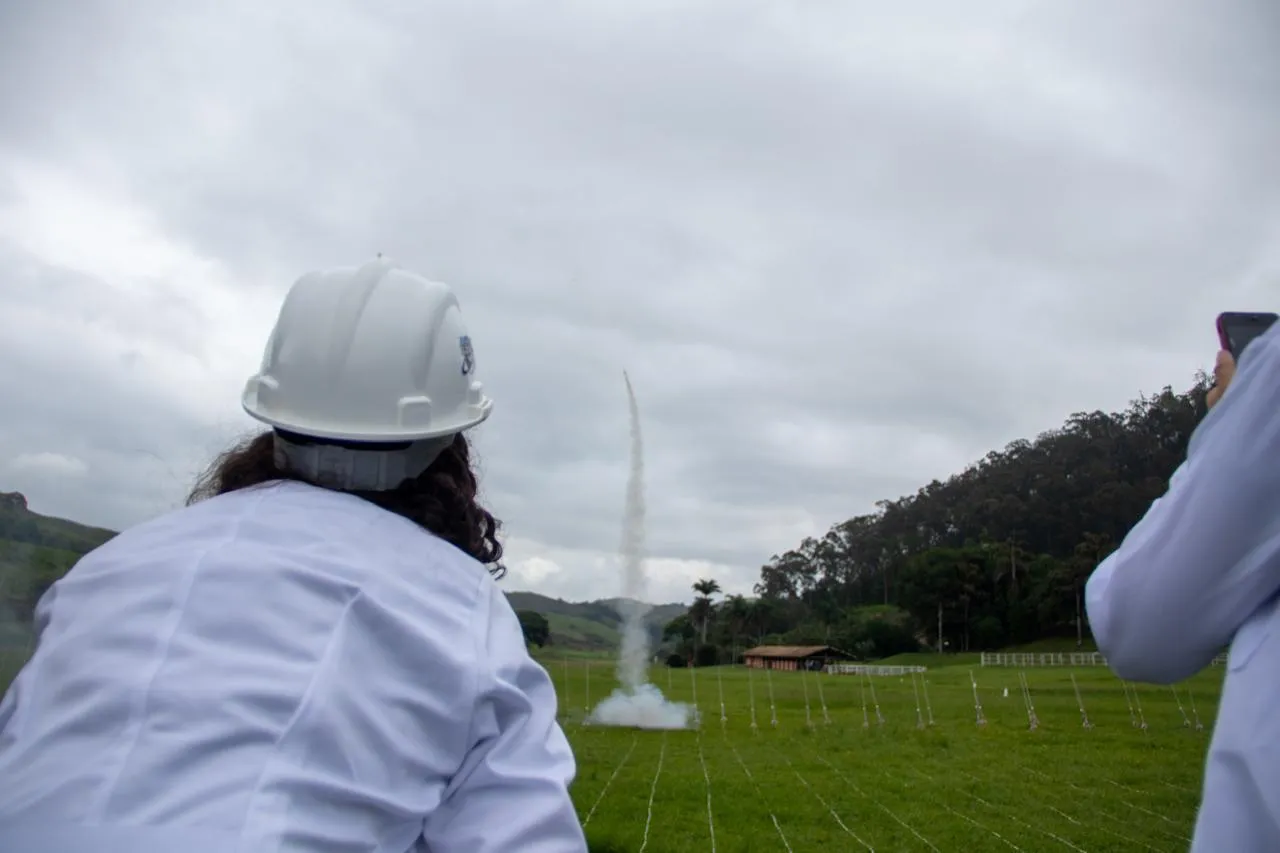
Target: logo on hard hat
[(468, 355)]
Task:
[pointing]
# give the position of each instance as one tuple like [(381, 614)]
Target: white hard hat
[(369, 354)]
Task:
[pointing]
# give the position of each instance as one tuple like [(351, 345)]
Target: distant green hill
[(590, 625), (36, 550), (20, 524)]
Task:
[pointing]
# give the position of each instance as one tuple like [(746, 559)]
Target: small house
[(812, 658)]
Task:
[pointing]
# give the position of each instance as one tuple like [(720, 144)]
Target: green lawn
[(840, 786)]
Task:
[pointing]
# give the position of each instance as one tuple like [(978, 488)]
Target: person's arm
[(512, 791), (1207, 554)]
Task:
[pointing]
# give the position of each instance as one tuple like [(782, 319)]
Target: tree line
[(993, 556)]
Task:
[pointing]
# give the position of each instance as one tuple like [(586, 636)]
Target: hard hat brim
[(479, 414)]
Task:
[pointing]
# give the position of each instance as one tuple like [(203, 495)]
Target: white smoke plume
[(636, 703), (643, 707), (634, 659)]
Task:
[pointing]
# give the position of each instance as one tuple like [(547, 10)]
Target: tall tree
[(702, 605)]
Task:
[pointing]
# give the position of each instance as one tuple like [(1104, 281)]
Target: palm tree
[(702, 605)]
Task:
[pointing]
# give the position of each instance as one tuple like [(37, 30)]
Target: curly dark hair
[(441, 500)]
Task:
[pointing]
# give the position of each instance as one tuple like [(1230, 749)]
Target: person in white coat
[(1201, 571), (313, 655)]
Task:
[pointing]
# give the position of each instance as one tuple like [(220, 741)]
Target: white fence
[(1058, 659), (870, 669), (1043, 659)]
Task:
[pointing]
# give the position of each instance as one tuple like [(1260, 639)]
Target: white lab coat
[(1200, 571), (282, 669)]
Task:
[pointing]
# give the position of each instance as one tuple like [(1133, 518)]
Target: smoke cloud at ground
[(643, 707)]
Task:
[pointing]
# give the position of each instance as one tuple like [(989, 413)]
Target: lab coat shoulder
[(512, 791), (303, 548), (511, 788), (320, 657), (1206, 555)]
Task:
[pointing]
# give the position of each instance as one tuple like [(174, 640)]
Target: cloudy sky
[(841, 249)]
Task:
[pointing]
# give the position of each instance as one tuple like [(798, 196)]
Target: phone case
[(1224, 340)]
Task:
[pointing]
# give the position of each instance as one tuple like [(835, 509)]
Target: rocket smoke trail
[(634, 660), (636, 703)]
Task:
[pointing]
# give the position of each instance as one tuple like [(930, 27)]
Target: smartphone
[(1236, 329)]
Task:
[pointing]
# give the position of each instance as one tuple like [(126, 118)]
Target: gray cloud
[(841, 249)]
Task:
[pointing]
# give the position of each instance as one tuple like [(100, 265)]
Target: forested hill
[(589, 625), (36, 550), (999, 552), (1003, 548)]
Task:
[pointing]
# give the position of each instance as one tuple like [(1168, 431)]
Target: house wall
[(772, 663)]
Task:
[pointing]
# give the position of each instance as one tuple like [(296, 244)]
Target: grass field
[(843, 786), (952, 786)]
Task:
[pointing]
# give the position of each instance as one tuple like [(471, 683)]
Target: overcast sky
[(841, 247)]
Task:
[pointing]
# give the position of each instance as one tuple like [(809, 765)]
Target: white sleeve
[(512, 791), (1207, 554), (21, 681)]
